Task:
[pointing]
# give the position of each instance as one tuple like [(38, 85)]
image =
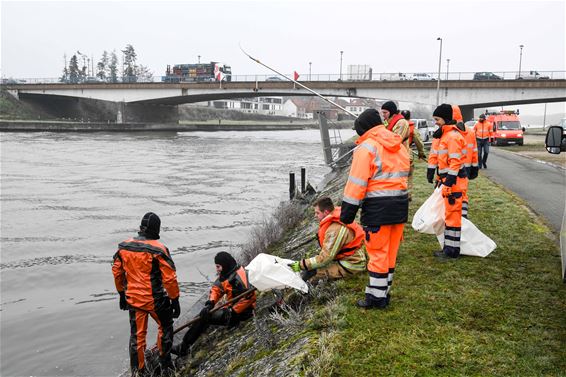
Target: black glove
[(204, 313), (450, 180), (175, 308), (451, 200), (473, 174), (430, 174), (209, 304), (123, 302)]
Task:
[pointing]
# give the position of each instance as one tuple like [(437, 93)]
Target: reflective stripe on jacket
[(483, 130), (355, 229), (378, 180), (452, 157), (145, 271), (232, 286)]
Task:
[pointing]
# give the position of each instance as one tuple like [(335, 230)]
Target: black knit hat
[(390, 106), (443, 111), (367, 120), (226, 261), (150, 225)]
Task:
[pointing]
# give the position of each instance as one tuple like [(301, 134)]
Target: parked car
[(420, 77), (273, 78), (486, 76), (531, 75), (470, 124), (422, 126)]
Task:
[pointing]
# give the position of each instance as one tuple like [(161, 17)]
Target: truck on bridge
[(212, 71)]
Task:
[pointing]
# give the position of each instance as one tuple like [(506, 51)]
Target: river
[(68, 199)]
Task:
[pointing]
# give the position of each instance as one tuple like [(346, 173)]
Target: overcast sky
[(390, 36)]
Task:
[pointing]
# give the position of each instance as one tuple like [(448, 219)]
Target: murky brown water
[(68, 199)]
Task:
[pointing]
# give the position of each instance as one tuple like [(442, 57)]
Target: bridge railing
[(327, 77)]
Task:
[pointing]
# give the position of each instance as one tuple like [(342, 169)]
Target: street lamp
[(520, 59), (341, 53), (438, 81), (199, 59), (310, 66), (447, 67)]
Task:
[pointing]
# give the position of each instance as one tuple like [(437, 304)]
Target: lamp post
[(447, 67), (520, 59), (341, 53), (198, 58), (438, 81), (310, 66)]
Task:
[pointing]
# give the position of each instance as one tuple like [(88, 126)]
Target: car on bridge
[(486, 76), (419, 77), (531, 75)]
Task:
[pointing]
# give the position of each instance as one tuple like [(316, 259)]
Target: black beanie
[(443, 111), (150, 225), (367, 120), (226, 261), (390, 106)]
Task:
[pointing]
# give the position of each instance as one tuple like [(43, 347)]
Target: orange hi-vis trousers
[(138, 332), (382, 247), (453, 228)]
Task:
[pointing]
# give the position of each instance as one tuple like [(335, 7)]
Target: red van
[(507, 128)]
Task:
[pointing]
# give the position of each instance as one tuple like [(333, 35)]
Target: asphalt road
[(542, 186)]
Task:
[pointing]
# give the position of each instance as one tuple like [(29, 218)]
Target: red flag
[(295, 76)]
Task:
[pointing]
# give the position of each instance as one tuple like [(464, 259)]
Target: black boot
[(372, 303)]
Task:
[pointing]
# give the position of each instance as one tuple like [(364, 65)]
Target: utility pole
[(520, 59), (199, 59), (310, 66), (341, 53), (438, 81)]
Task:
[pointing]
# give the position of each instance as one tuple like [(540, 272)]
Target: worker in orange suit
[(471, 163), (145, 278), (453, 177), (484, 136), (378, 183)]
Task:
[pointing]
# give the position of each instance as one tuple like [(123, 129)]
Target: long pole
[(520, 58), (298, 83), (544, 118), (341, 53), (447, 67), (310, 67), (438, 81)]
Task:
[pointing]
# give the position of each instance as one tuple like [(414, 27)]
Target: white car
[(420, 77), (422, 126)]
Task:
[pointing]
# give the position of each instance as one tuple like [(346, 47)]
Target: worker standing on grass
[(232, 281), (378, 183), (145, 278), (453, 177), (341, 246), (414, 137), (471, 163), (484, 136)]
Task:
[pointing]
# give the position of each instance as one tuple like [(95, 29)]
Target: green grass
[(503, 315)]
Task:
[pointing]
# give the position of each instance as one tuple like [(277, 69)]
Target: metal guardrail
[(396, 76)]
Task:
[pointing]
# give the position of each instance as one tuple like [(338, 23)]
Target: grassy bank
[(499, 316)]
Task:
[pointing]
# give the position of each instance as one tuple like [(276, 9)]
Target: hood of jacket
[(389, 140)]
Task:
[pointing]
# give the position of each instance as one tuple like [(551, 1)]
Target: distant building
[(359, 105), (309, 107), (258, 105)]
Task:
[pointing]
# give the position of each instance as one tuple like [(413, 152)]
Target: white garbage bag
[(270, 272), (429, 218), (472, 242)]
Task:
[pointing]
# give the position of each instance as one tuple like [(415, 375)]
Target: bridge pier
[(467, 112)]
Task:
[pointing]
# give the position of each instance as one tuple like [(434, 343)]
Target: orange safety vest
[(378, 180), (234, 285), (145, 271), (469, 135), (452, 156), (351, 247), (393, 121), (411, 131), (483, 130)]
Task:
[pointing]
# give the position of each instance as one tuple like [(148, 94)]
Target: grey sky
[(390, 36)]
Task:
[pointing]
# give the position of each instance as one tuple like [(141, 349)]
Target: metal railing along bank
[(395, 76)]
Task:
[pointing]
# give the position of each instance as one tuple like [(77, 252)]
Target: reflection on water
[(69, 199)]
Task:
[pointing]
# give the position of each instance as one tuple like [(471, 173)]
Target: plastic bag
[(270, 272), (473, 241), (429, 218)]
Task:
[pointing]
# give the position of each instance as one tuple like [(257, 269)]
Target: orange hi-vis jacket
[(349, 248), (378, 180), (433, 155), (232, 286), (484, 130), (452, 157), (145, 271), (469, 135)]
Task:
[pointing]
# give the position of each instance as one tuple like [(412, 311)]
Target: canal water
[(68, 199)]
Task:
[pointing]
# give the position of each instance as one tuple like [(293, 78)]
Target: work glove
[(209, 304), (473, 174), (295, 266), (123, 302), (450, 180), (430, 174), (175, 308), (205, 312), (447, 193)]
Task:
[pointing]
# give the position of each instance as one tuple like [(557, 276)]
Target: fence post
[(303, 180), (325, 138), (292, 187)]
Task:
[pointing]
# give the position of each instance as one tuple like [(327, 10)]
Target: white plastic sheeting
[(267, 272), (429, 219)]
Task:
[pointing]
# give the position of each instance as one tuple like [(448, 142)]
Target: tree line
[(108, 68)]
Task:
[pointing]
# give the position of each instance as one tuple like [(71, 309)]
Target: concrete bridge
[(157, 102)]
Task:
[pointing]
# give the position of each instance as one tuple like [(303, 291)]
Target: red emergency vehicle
[(507, 128)]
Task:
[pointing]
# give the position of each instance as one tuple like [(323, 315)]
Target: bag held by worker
[(429, 218), (270, 272), (473, 241)]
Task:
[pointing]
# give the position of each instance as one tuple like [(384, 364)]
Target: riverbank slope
[(502, 315)]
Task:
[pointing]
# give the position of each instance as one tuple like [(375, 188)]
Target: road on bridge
[(541, 185)]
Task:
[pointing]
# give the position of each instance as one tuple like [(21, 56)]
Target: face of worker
[(218, 269), (385, 113), (320, 214), (439, 121), (482, 120)]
